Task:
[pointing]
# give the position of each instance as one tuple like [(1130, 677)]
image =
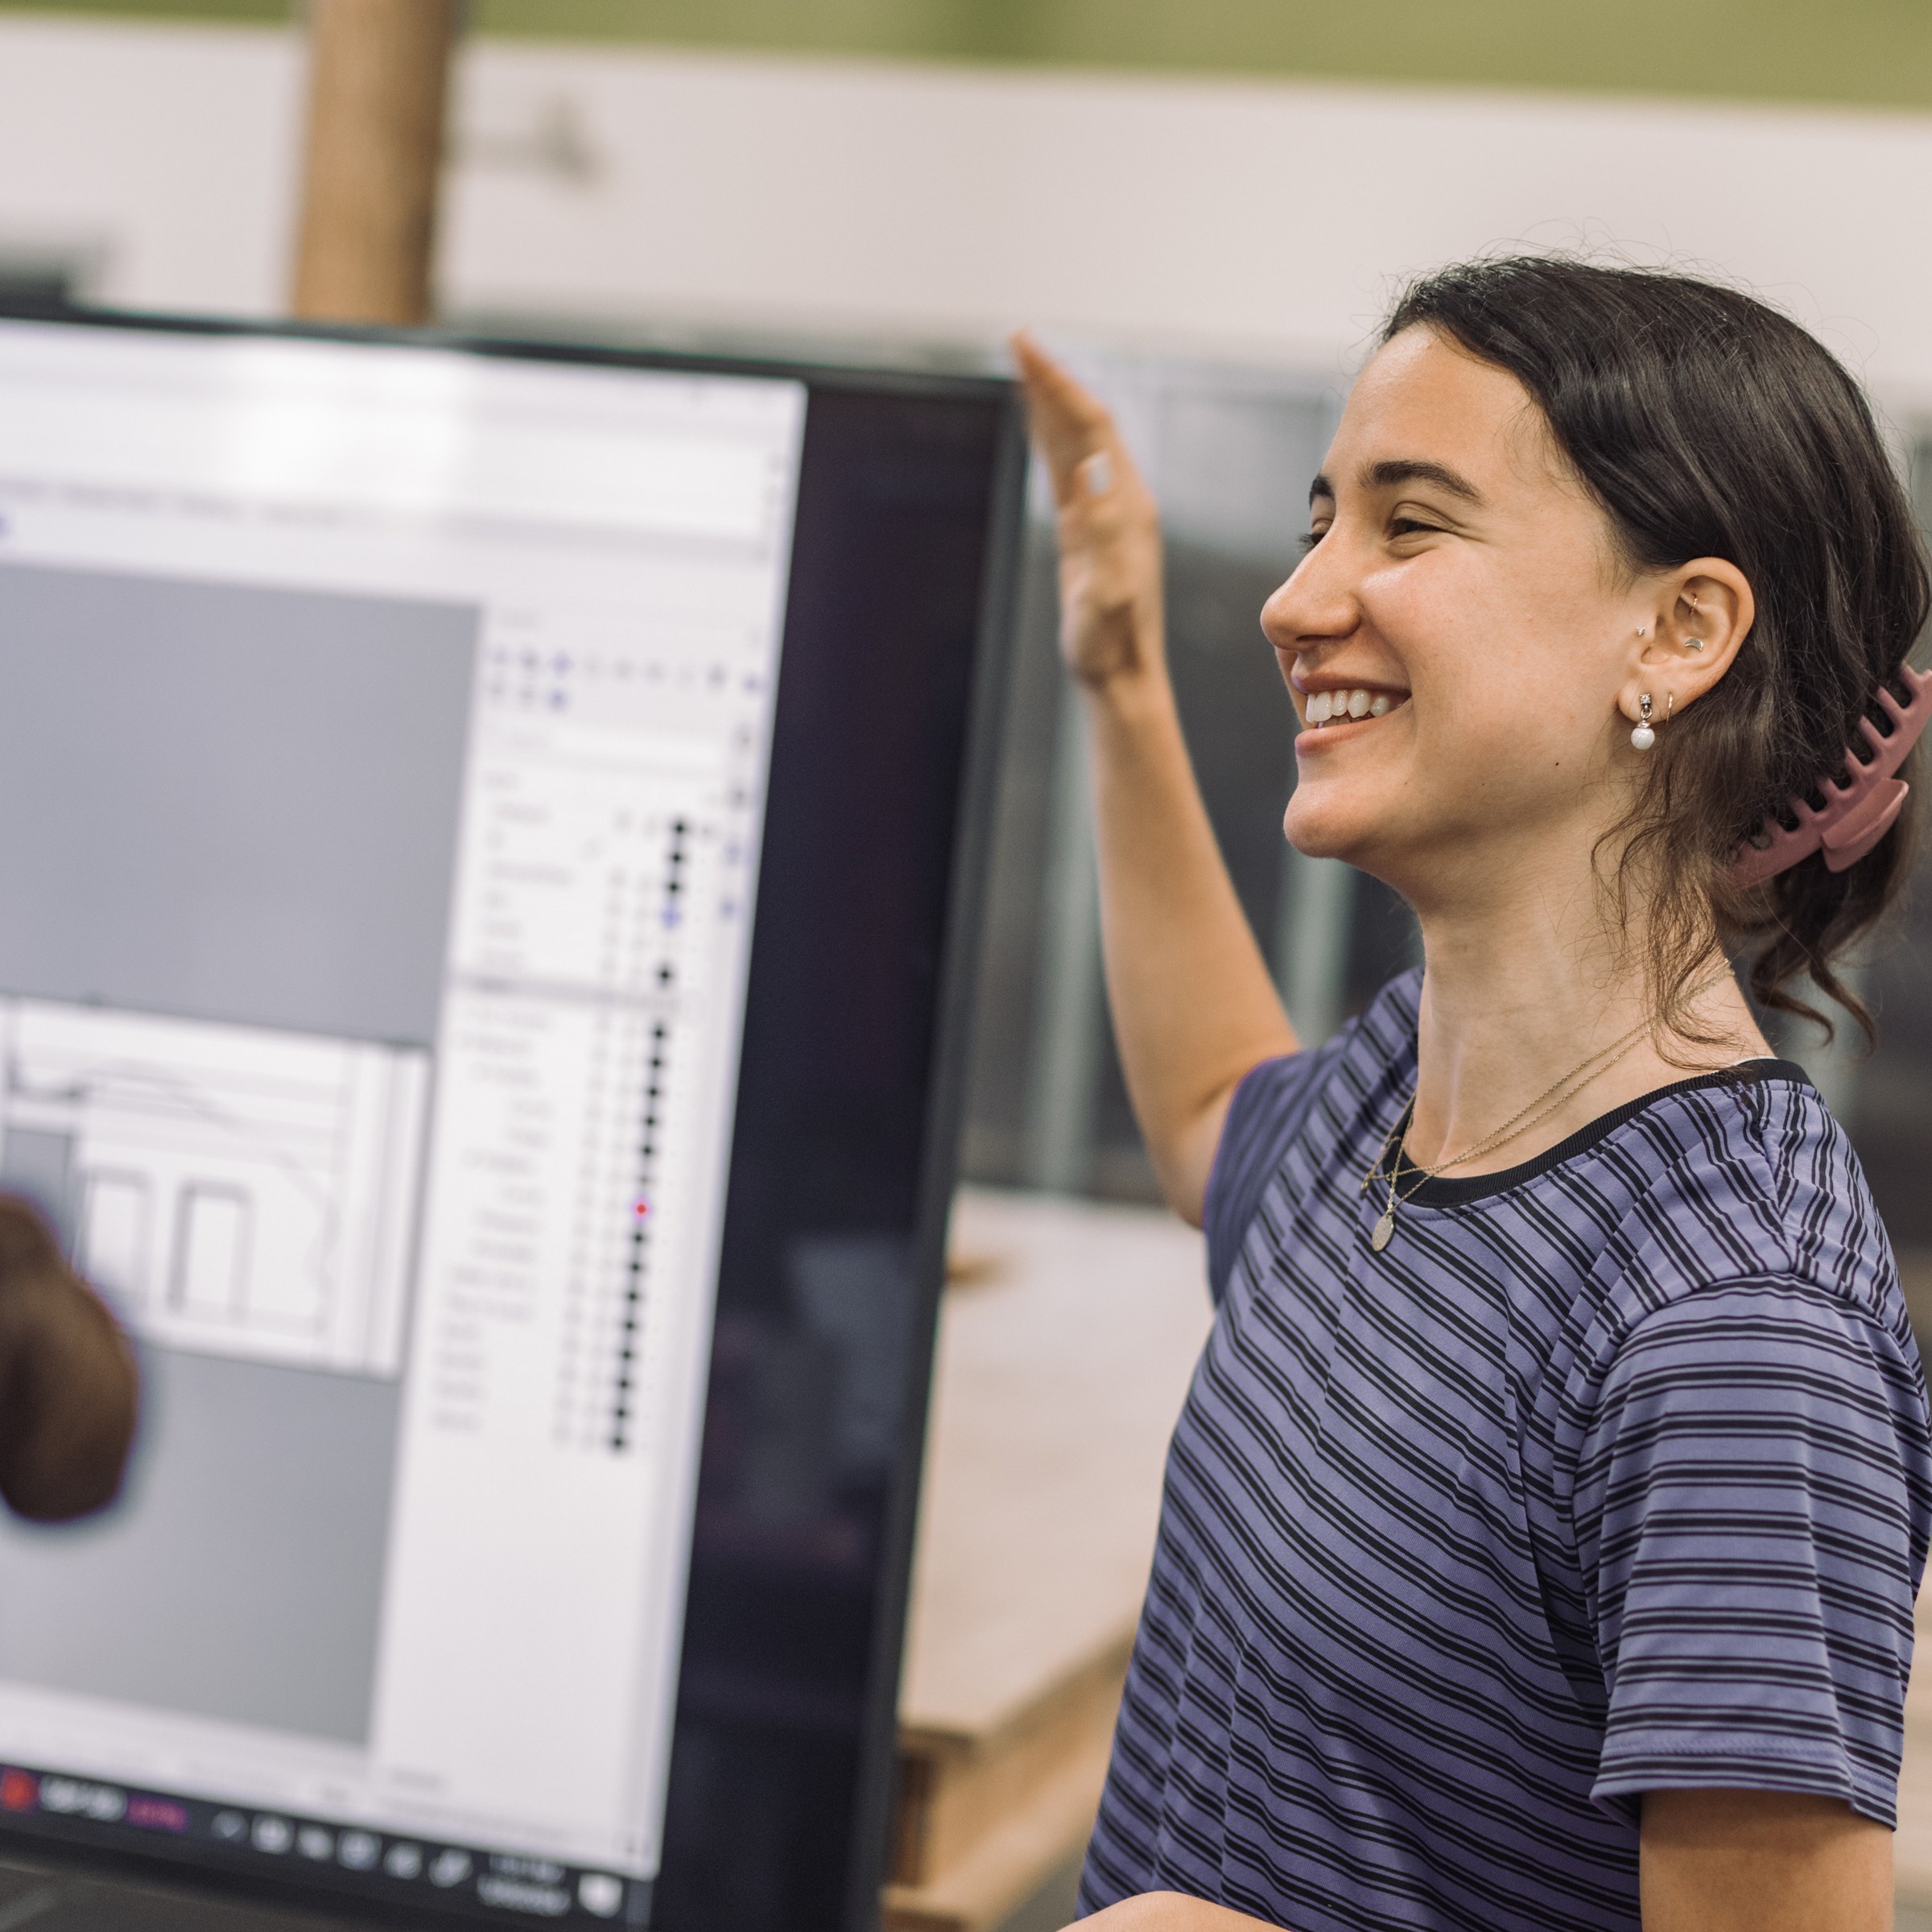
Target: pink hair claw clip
[(1855, 815)]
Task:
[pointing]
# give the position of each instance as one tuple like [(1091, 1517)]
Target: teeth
[(1325, 706)]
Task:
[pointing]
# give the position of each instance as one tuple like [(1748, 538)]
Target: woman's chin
[(1327, 828)]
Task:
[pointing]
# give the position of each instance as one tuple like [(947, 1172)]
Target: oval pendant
[(1384, 1228)]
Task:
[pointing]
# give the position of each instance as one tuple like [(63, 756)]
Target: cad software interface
[(383, 740)]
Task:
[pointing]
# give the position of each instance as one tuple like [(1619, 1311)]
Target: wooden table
[(1066, 1345)]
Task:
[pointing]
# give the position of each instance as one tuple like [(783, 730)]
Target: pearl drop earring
[(1642, 736)]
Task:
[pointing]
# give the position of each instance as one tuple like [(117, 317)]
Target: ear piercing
[(1693, 643), (1643, 737), (1690, 643)]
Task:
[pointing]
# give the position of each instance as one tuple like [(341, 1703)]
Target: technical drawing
[(233, 1190), (211, 1274)]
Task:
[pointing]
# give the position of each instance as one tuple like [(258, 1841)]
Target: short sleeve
[(1267, 1112), (1751, 1512)]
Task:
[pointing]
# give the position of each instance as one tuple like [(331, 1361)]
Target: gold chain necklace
[(1553, 1097)]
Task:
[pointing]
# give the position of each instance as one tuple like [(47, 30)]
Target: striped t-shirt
[(1610, 1472)]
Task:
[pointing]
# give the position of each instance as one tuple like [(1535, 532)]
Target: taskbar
[(313, 1859)]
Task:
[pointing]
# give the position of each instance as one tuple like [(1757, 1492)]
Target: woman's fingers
[(1074, 433), (1109, 528)]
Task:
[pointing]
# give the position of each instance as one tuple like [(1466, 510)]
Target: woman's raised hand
[(1193, 1006), (1108, 524)]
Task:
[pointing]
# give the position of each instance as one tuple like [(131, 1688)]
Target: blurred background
[(1206, 206)]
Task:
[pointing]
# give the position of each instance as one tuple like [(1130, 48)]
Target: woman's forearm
[(1194, 1008), (1171, 1911)]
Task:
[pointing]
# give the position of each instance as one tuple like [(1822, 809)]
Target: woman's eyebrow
[(1392, 472)]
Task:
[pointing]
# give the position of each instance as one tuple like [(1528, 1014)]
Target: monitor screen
[(490, 844)]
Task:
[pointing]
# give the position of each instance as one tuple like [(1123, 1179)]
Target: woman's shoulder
[(1745, 1176), (1276, 1099), (1367, 1050)]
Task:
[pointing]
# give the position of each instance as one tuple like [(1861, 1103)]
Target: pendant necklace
[(1546, 1103)]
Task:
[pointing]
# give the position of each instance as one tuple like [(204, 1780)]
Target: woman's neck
[(1525, 1000)]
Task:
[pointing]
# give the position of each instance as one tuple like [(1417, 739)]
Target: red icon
[(20, 1791)]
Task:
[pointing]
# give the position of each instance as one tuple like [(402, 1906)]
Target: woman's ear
[(1702, 615)]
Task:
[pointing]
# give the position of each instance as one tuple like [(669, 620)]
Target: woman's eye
[(1410, 527), (1314, 537)]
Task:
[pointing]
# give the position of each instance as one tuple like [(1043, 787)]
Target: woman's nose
[(1315, 605)]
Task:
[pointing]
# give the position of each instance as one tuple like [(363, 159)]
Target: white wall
[(169, 154), (1259, 222)]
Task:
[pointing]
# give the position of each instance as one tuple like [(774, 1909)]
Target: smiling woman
[(1542, 1529)]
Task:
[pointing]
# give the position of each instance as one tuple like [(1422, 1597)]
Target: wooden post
[(378, 78)]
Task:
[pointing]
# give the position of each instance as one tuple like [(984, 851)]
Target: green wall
[(1870, 53)]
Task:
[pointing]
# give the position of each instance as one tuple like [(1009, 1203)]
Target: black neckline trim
[(1453, 1190)]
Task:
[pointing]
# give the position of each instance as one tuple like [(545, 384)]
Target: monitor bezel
[(59, 1842)]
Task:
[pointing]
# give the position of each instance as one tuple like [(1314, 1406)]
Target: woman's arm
[(68, 1391), (1762, 1861), (1170, 1912), (1710, 1861), (1194, 1008)]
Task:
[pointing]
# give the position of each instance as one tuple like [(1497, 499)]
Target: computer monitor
[(490, 842)]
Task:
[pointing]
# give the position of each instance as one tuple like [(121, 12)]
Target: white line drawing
[(234, 1190), (210, 1278)]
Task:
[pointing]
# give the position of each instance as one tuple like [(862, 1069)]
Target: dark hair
[(1707, 424)]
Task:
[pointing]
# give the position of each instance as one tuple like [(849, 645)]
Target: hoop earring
[(1642, 737)]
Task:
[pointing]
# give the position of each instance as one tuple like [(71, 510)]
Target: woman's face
[(1460, 578)]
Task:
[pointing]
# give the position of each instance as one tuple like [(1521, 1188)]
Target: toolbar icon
[(600, 1894), (358, 1849), (450, 1868), (272, 1834)]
